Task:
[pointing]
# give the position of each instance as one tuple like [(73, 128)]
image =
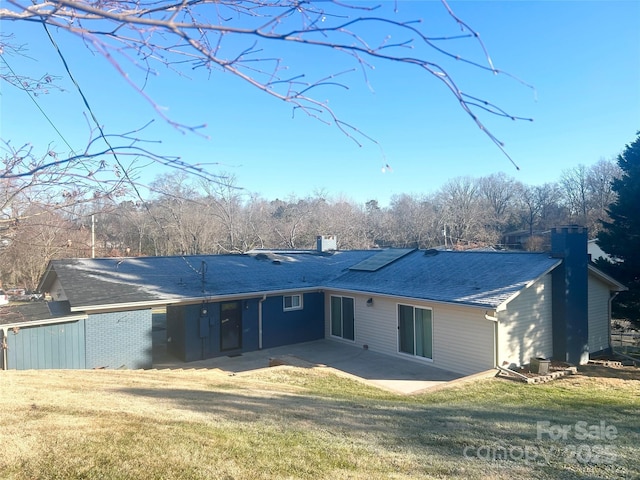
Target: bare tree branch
[(232, 36)]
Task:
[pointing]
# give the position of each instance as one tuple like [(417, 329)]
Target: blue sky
[(582, 57)]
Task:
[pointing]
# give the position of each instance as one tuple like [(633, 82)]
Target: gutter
[(110, 307), (412, 300), (50, 321)]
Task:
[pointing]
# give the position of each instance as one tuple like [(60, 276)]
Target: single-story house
[(463, 311)]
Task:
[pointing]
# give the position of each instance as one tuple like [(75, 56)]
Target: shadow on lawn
[(438, 429)]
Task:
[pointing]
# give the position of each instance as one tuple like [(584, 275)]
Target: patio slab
[(391, 373)]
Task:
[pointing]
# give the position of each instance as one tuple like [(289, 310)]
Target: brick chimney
[(570, 295)]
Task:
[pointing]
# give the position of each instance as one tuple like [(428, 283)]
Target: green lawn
[(288, 422)]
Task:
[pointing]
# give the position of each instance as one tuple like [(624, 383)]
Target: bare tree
[(463, 214), (588, 193), (540, 206), (242, 38), (42, 236), (576, 191), (291, 223), (499, 193), (600, 180), (249, 39), (414, 222), (225, 206)]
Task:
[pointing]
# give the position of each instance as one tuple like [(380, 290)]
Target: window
[(415, 331), (292, 302), (342, 317)]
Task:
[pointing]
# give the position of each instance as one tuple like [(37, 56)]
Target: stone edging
[(552, 375)]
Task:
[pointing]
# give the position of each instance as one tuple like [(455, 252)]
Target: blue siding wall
[(176, 332), (293, 326), (119, 340), (60, 345), (250, 331), (196, 336), (183, 332)]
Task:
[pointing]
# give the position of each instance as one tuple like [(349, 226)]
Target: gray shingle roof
[(110, 281), (16, 314), (484, 279)]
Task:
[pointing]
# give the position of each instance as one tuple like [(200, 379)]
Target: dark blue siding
[(183, 333), (570, 289), (195, 334), (60, 345), (250, 331), (293, 326)]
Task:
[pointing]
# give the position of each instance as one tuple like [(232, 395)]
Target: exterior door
[(230, 326), (343, 317)]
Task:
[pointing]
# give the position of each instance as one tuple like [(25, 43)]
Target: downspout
[(264, 297), (495, 336), (4, 348), (610, 309)]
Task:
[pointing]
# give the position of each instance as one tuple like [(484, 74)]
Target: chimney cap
[(568, 229)]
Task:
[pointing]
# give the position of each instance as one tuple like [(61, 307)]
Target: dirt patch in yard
[(608, 370), (602, 371)]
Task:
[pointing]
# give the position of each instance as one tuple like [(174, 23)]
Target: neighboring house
[(595, 252), (525, 239), (460, 311)]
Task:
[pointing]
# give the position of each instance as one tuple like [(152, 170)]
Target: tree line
[(186, 216)]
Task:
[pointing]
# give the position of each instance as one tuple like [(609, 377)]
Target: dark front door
[(230, 326)]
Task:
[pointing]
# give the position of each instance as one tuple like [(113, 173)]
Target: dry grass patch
[(289, 422)]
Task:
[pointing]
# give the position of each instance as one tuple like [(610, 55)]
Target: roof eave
[(187, 300), (503, 305), (618, 287), (411, 299), (47, 321), (44, 279)]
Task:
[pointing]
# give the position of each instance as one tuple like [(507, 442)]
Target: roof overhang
[(612, 282), (187, 300), (48, 321), (503, 305), (409, 299), (46, 280)]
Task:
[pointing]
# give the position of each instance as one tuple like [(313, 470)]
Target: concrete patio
[(396, 374)]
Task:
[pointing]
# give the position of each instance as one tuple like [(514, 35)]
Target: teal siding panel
[(56, 346)]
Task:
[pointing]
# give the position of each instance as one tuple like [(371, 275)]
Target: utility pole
[(93, 235)]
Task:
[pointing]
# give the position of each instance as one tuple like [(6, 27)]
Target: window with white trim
[(292, 302)]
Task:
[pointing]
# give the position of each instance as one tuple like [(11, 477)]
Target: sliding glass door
[(415, 331), (343, 317)]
